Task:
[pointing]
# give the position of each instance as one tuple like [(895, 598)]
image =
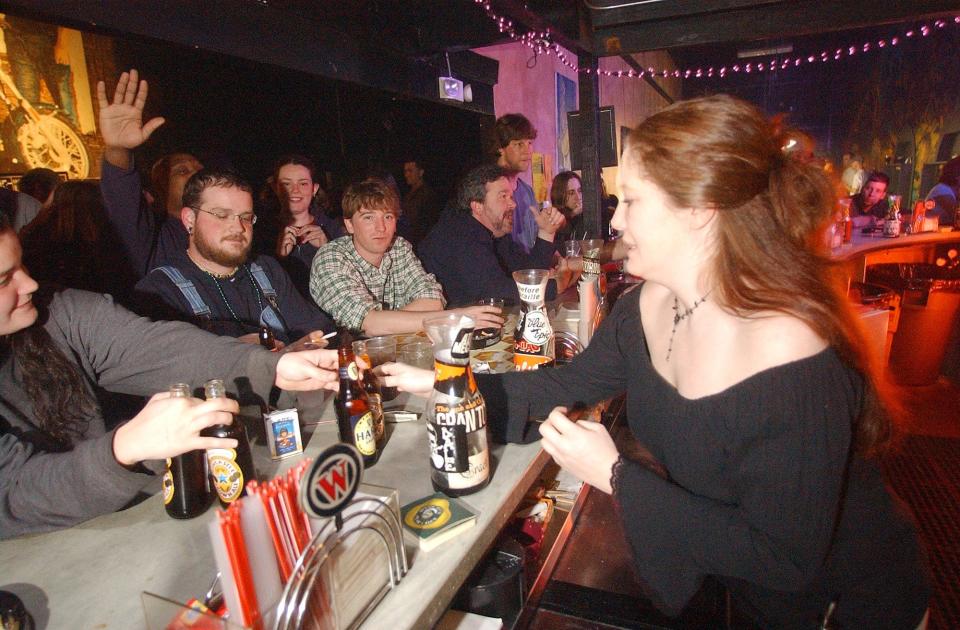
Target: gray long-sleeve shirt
[(42, 489)]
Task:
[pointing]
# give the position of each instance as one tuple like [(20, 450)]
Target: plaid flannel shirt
[(347, 287)]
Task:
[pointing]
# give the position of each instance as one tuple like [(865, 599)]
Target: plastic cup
[(377, 351), (571, 248), (417, 353)]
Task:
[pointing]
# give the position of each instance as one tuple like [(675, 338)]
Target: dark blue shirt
[(236, 303), (471, 264)]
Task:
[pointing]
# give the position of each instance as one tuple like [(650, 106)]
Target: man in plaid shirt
[(370, 281)]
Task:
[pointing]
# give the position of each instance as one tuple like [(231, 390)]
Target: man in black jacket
[(470, 250)]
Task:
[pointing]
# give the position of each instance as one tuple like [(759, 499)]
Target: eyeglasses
[(246, 218)]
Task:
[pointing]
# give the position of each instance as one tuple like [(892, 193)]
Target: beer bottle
[(371, 386), (267, 339), (355, 420), (186, 488), (230, 469), (456, 413)]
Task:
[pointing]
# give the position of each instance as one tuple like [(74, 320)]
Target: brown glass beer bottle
[(230, 469), (355, 419), (186, 487)]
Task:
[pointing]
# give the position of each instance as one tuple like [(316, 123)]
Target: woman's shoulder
[(778, 339)]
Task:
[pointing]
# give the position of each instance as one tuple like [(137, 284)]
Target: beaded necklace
[(217, 277), (679, 317), (256, 292)]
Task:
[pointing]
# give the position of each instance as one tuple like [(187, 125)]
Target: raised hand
[(169, 426), (121, 121), (549, 220)]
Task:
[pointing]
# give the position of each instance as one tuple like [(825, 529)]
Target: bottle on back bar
[(186, 486), (355, 419), (230, 469)]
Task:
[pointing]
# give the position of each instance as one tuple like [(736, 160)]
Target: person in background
[(852, 176), (470, 250), (747, 383), (19, 208), (420, 205), (149, 235), (39, 183), (511, 146), (59, 464), (70, 243), (304, 227), (214, 282), (871, 203), (370, 280), (566, 196), (945, 193)]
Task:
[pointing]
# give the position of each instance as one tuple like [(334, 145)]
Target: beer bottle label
[(364, 437), (530, 349), (461, 347), (167, 484), (351, 372), (227, 475), (458, 442)]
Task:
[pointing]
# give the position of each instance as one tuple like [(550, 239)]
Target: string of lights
[(541, 43)]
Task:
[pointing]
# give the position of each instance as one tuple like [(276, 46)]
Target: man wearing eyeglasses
[(214, 282)]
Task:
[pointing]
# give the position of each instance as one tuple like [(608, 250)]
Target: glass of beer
[(486, 337), (377, 351)]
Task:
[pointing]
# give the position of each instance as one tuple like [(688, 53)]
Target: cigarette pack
[(283, 433)]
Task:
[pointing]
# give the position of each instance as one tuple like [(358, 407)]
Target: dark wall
[(230, 110)]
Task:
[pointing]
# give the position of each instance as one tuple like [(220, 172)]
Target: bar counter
[(865, 249), (92, 575)]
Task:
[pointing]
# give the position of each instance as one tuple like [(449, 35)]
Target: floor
[(587, 594)]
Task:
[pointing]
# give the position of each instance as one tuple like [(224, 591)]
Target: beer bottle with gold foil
[(371, 385), (230, 468), (456, 413), (186, 487), (355, 420)]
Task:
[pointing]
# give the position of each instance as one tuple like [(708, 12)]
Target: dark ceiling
[(400, 45)]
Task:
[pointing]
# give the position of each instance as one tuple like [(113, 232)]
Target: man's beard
[(220, 255)]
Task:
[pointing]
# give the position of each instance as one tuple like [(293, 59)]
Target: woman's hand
[(308, 370), (287, 241), (406, 378), (312, 234), (583, 448), (169, 426)]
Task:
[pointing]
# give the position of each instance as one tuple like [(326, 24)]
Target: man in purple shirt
[(512, 147)]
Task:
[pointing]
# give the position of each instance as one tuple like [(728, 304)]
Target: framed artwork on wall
[(566, 102)]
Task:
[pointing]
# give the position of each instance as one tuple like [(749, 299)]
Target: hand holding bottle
[(169, 426)]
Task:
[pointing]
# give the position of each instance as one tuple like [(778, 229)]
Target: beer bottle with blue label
[(186, 486), (230, 468), (355, 419)]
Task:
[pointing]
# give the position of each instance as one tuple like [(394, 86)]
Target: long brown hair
[(62, 403), (719, 152), (76, 214)]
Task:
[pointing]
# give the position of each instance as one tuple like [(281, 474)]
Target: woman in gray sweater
[(59, 465)]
